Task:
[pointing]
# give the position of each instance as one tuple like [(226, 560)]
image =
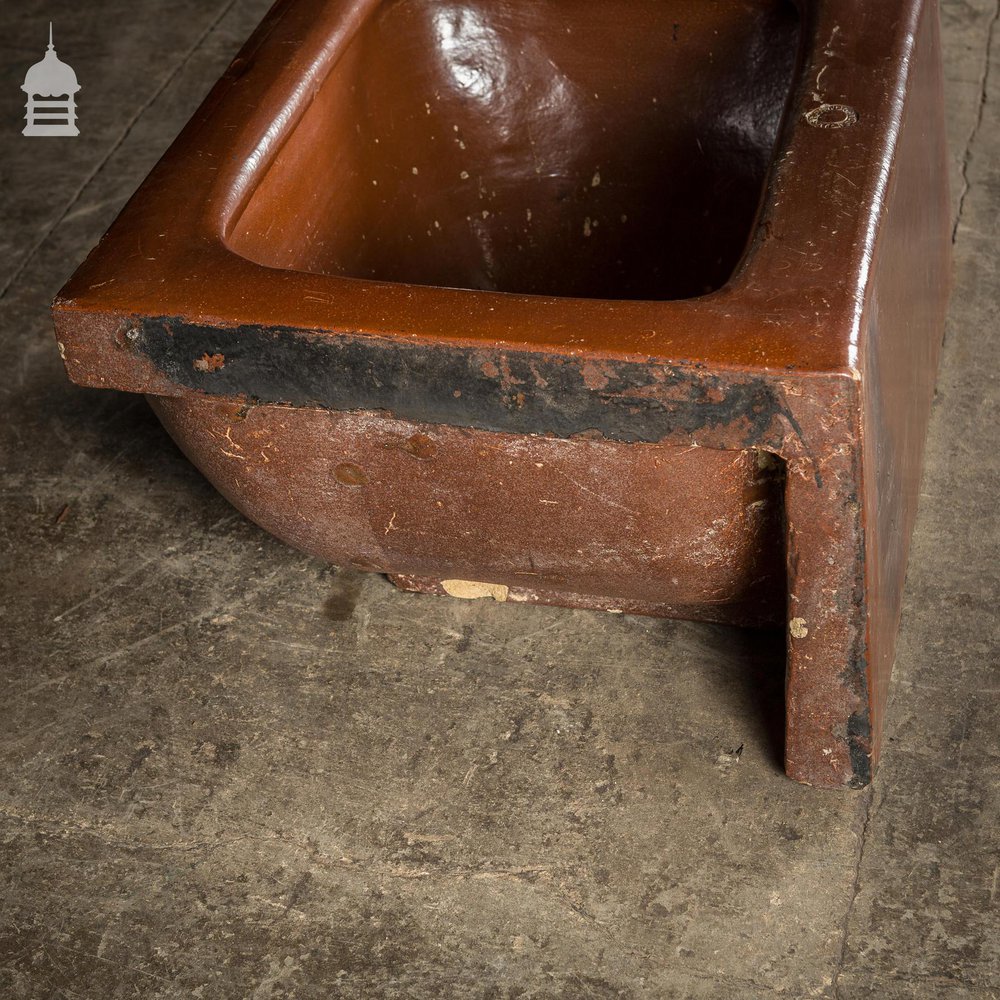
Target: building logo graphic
[(50, 86)]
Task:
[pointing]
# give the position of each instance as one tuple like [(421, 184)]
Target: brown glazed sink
[(631, 305)]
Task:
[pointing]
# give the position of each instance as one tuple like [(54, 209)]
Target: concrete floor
[(230, 771)]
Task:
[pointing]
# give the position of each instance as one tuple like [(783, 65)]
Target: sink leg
[(828, 738)]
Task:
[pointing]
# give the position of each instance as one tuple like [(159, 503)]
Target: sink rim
[(784, 307)]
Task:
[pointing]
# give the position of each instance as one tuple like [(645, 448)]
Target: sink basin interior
[(611, 149)]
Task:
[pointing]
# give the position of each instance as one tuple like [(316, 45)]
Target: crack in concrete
[(869, 808), (984, 82), (867, 814)]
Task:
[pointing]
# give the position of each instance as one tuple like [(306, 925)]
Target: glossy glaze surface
[(609, 150)]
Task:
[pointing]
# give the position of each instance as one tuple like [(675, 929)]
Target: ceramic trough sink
[(632, 305)]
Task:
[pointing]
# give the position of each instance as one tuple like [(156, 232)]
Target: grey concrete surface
[(230, 771)]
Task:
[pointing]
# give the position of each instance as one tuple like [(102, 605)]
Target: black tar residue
[(539, 393)]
